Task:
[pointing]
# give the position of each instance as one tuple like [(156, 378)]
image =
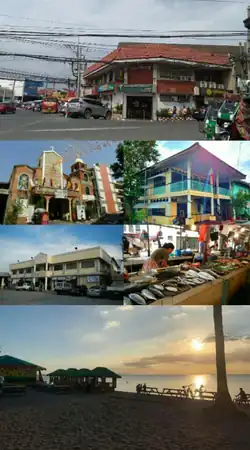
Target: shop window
[(71, 266), (158, 212), (88, 264), (40, 267), (58, 267)]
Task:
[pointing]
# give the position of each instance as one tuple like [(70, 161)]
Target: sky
[(235, 154), (22, 242), (129, 15), (28, 152), (126, 339)]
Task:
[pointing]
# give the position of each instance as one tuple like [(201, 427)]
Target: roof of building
[(97, 372), (10, 361), (242, 183), (164, 51), (199, 164)]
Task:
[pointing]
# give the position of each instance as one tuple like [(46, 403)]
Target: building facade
[(179, 238), (146, 79), (192, 186), (83, 194), (109, 192), (88, 268)]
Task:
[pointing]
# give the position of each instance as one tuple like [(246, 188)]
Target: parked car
[(63, 288), (37, 105), (87, 108), (96, 291), (24, 287), (7, 107), (79, 291)]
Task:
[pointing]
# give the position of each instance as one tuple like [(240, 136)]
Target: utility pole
[(78, 79), (247, 26)]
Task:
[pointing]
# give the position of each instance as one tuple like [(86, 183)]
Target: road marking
[(82, 129)]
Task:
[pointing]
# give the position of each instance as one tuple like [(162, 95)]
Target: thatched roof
[(101, 372), (7, 361), (104, 372)]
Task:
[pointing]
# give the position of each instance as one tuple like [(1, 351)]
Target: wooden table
[(214, 292)]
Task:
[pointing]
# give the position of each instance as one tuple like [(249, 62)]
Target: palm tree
[(223, 405), (223, 397)]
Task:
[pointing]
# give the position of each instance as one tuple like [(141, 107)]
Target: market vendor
[(159, 258)]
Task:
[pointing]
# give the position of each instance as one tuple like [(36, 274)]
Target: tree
[(240, 203), (12, 216), (137, 156), (118, 167), (223, 405)]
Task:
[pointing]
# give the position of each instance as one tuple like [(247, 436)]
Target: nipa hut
[(98, 379), (15, 370)]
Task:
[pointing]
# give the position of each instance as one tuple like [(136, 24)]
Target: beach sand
[(118, 421)]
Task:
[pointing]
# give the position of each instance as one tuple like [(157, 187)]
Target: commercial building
[(192, 186), (109, 192), (88, 267), (144, 79)]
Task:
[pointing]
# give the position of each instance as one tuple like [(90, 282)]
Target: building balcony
[(54, 192), (182, 186), (88, 198)]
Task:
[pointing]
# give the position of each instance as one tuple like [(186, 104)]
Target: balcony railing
[(199, 186), (179, 186), (159, 190), (224, 191)]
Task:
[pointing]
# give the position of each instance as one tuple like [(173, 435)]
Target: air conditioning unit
[(212, 85), (221, 86), (203, 84), (183, 78)]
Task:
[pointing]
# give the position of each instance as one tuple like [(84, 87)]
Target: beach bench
[(151, 390), (16, 390), (208, 395), (242, 402), (177, 393)]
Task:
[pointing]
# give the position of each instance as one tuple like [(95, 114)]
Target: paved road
[(27, 125), (11, 297)]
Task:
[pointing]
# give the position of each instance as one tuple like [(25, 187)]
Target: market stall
[(214, 279)]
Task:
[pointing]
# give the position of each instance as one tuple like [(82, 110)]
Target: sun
[(197, 345)]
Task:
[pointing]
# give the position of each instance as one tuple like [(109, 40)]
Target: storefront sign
[(136, 88), (60, 193), (214, 92), (175, 87), (93, 279), (4, 191), (106, 88)]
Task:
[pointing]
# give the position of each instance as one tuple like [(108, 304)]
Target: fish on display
[(127, 301), (156, 291), (148, 295), (159, 287), (171, 289), (138, 299)]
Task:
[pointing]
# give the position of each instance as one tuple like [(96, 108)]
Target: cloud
[(227, 338), (29, 242), (47, 14)]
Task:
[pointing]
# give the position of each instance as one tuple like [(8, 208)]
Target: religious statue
[(23, 182)]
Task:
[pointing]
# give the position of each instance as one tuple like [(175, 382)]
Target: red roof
[(149, 51)]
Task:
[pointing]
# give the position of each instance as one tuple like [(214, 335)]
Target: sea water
[(128, 382)]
